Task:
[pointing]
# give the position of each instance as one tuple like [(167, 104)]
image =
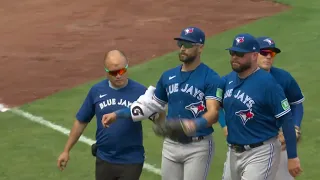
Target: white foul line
[(63, 130)]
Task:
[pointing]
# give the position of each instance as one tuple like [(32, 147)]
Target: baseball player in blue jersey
[(292, 91), (268, 51), (119, 149), (255, 107), (191, 92)]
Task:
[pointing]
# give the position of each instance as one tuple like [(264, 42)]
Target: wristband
[(201, 123), (123, 113)]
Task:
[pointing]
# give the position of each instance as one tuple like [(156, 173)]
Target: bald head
[(115, 59)]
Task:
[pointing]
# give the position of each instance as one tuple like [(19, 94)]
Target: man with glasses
[(119, 149), (193, 96), (255, 107), (268, 51)]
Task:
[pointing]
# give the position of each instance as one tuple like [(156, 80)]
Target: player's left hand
[(294, 167), (282, 139)]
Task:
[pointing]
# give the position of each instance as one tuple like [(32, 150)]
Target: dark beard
[(188, 60), (241, 68)]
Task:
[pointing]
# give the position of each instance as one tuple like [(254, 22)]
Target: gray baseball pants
[(187, 161), (260, 163), (283, 172)]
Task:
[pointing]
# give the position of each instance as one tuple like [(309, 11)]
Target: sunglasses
[(236, 53), (186, 44), (117, 72), (267, 52)]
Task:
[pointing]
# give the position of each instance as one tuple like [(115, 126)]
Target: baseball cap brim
[(237, 49), (277, 50), (184, 39)]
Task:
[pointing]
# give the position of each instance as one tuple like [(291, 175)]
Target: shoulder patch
[(285, 104), (219, 93)]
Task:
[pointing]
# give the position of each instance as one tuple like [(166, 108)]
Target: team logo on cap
[(269, 41), (239, 40), (188, 30), (245, 115)]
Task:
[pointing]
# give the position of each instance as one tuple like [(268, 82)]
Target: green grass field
[(29, 150)]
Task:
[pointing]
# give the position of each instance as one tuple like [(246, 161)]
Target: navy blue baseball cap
[(192, 34), (267, 43), (245, 43)]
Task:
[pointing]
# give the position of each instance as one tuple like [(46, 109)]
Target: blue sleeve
[(160, 94), (297, 113), (282, 111), (86, 111), (222, 120), (277, 101), (213, 88), (293, 91), (289, 135)]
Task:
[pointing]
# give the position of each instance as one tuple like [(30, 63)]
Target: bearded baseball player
[(255, 107), (268, 51), (191, 92)]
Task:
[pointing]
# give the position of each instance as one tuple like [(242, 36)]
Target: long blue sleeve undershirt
[(289, 134), (297, 113), (222, 119)]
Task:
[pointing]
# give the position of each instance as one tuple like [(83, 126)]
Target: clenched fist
[(108, 119)]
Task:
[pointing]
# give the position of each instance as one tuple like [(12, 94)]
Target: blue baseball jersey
[(122, 141), (186, 93), (252, 107), (289, 85)]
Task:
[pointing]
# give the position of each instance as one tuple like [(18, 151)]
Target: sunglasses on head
[(236, 53), (117, 72), (186, 44), (267, 52)]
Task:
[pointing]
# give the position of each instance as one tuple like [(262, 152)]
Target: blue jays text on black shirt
[(122, 141), (252, 107), (186, 93)]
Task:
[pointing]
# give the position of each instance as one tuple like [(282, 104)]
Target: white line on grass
[(63, 130)]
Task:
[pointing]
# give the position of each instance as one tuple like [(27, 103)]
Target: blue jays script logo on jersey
[(241, 96), (196, 108), (244, 98), (245, 115), (114, 102), (189, 89)]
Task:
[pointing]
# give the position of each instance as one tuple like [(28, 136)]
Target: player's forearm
[(289, 135), (297, 113), (75, 133), (123, 113), (222, 119), (208, 119)]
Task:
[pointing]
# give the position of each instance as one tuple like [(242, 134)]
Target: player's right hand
[(108, 119), (294, 167), (63, 160)]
